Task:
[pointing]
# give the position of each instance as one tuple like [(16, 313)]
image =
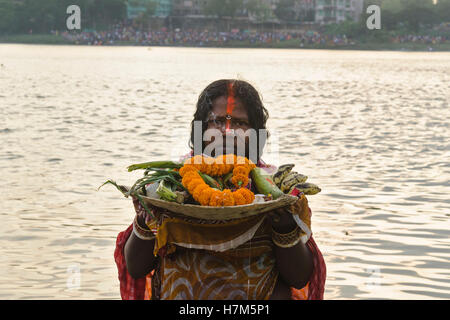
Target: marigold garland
[(214, 167)]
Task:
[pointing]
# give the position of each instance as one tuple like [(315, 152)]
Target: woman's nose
[(227, 131)]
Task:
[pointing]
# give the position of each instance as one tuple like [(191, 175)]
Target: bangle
[(287, 240), (142, 233)]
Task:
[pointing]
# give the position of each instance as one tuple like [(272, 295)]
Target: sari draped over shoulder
[(217, 260)]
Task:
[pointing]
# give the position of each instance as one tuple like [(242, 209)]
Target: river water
[(370, 128)]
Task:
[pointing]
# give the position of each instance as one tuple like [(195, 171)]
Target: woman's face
[(218, 120)]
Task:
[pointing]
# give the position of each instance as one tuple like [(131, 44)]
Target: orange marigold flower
[(238, 199), (219, 159), (206, 167), (216, 199), (193, 184), (228, 199), (203, 167), (214, 167), (220, 169), (189, 167), (240, 170), (239, 180), (215, 170), (240, 160), (228, 168), (204, 197), (183, 170), (188, 176), (247, 194), (197, 160), (208, 160), (191, 173), (199, 189), (230, 159)]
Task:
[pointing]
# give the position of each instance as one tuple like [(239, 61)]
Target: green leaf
[(155, 164), (120, 188)]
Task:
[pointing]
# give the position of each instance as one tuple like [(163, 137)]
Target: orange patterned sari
[(206, 268)]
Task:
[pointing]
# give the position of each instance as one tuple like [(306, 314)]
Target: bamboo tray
[(221, 213)]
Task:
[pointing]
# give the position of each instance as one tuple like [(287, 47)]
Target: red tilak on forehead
[(231, 103)]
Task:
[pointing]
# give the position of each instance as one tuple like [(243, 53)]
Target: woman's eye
[(216, 122), (241, 123)]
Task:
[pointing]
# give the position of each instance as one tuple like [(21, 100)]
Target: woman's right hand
[(139, 264), (142, 215)]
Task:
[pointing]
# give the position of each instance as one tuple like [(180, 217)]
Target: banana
[(281, 173), (306, 188), (291, 179)]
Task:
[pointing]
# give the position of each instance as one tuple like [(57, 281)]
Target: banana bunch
[(287, 180)]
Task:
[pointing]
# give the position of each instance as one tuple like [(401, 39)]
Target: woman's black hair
[(245, 92)]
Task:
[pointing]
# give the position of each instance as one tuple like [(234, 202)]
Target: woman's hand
[(282, 220), (295, 262), (139, 256), (142, 216)]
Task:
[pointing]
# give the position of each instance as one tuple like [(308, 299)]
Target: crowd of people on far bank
[(163, 37), (426, 39), (190, 37)]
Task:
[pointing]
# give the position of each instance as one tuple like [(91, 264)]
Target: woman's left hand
[(282, 220)]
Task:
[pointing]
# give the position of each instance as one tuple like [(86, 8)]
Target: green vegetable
[(220, 181), (169, 176), (120, 188), (165, 192), (182, 196), (227, 177), (226, 180), (155, 164), (159, 171), (141, 183), (264, 183), (210, 181)]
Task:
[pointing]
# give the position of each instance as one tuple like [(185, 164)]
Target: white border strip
[(304, 227)]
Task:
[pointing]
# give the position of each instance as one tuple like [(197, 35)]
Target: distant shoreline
[(48, 39)]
